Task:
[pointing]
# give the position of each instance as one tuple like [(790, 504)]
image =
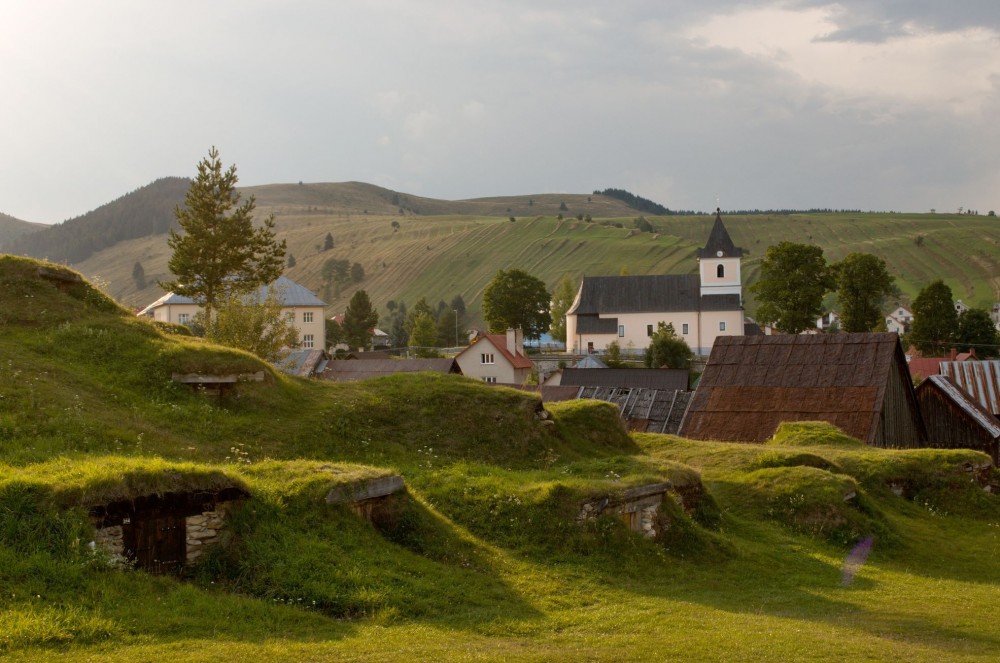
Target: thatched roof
[(753, 383)]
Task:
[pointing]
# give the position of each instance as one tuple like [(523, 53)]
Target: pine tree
[(359, 319), (139, 276), (219, 253)]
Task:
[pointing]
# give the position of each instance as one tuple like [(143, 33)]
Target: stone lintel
[(366, 490)]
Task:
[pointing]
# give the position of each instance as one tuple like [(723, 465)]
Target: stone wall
[(204, 531), (109, 540)]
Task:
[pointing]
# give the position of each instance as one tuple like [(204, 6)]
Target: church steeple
[(720, 244), (719, 262)]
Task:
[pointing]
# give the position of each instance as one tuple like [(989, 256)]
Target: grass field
[(450, 248), (486, 560)]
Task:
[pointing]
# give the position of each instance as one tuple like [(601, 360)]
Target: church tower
[(719, 262)]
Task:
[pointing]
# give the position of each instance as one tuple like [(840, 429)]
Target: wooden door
[(157, 544)]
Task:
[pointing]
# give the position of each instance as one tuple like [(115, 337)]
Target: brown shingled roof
[(753, 383)]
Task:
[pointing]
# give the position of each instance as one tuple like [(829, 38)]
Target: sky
[(891, 105)]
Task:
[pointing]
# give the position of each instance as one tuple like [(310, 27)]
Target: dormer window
[(720, 271)]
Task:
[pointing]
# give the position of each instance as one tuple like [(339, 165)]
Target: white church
[(628, 309)]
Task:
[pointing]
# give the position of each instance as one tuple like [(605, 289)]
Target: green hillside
[(484, 557), (446, 248)]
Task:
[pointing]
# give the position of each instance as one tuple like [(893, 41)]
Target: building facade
[(299, 305), (628, 309)]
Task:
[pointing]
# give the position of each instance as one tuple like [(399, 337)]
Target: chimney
[(515, 341), (954, 354)]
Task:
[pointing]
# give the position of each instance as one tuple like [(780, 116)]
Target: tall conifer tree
[(219, 253)]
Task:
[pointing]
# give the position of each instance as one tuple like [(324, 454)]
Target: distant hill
[(412, 247), (146, 211), (12, 228)]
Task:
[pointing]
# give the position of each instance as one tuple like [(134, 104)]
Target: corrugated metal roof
[(964, 402), (647, 378), (979, 379), (753, 383)]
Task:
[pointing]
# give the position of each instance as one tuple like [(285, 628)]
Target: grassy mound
[(811, 433), (810, 500)]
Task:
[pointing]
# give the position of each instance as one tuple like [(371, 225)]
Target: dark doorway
[(157, 544)]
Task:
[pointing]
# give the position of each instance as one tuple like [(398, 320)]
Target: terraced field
[(439, 257)]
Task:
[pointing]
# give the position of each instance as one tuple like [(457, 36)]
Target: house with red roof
[(496, 358)]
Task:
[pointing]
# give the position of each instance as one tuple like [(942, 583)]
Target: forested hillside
[(12, 228), (146, 211)]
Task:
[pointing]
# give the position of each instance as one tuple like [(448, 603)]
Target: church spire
[(720, 244)]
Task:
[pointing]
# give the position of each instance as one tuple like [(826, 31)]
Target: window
[(183, 318), (621, 330), (720, 271), (649, 330), (684, 329), (722, 326), (490, 378), (307, 340), (307, 316), (487, 358), (290, 316)]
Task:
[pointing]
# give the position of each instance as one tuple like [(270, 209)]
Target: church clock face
[(718, 253)]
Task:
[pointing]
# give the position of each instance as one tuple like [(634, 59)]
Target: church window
[(720, 271), (621, 330), (684, 329), (722, 326)]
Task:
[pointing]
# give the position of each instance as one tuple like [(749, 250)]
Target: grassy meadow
[(447, 248), (484, 559)]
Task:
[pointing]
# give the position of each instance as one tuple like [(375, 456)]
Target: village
[(744, 381)]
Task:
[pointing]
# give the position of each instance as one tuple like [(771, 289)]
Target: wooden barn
[(857, 382), (954, 419)]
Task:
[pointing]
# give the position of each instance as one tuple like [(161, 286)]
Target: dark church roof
[(607, 295), (719, 240), (635, 294)]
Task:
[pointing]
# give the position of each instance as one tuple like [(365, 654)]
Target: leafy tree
[(976, 331), (863, 284), (514, 298), (562, 207), (139, 276), (291, 261), (334, 332), (613, 355), (419, 308), (793, 280), (562, 300), (220, 254), (934, 319), (357, 273), (390, 305), (359, 319), (395, 226), (257, 326), (667, 349), (424, 336), (328, 242)]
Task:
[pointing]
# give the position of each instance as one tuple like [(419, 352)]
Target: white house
[(896, 325), (496, 358), (299, 305), (827, 321), (628, 309), (961, 307)]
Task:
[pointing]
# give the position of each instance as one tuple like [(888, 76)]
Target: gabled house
[(302, 308), (828, 321), (857, 382), (628, 309), (496, 358), (955, 420)]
